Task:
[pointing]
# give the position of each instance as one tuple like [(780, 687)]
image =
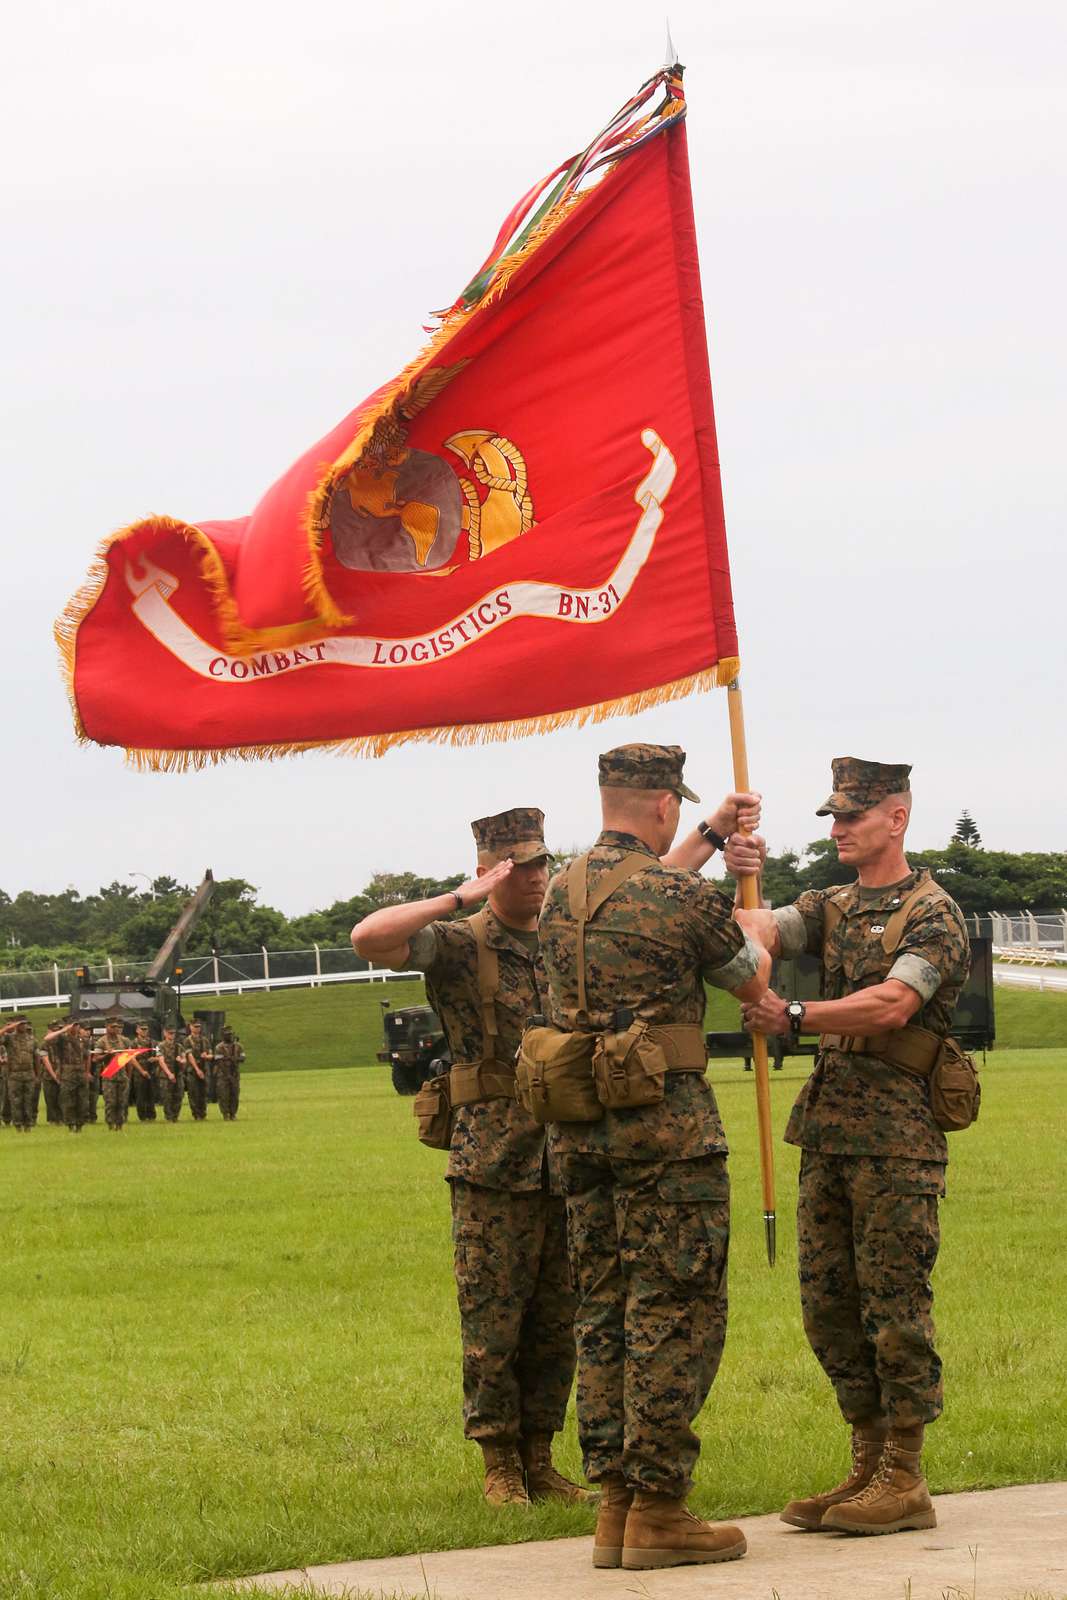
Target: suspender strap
[(488, 982), (584, 906), (895, 923)]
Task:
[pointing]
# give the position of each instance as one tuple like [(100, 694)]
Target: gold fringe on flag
[(377, 744)]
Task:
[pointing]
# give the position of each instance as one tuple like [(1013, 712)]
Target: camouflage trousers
[(227, 1090), (867, 1241), (649, 1243), (116, 1100), (196, 1089), (143, 1095), (20, 1091), (74, 1099), (516, 1310), (50, 1090), (5, 1102), (173, 1094)]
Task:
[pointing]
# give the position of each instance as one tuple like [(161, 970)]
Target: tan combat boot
[(616, 1497), (543, 1482), (660, 1532), (868, 1440), (896, 1498), (504, 1484)]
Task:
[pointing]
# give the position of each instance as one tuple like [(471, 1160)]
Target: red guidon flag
[(119, 1062), (522, 529)]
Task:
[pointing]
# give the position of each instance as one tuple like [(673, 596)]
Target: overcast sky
[(231, 221)]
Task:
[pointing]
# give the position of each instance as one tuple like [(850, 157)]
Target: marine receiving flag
[(524, 528)]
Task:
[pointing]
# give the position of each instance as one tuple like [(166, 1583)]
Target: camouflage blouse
[(855, 1104), (650, 948), (495, 1143)]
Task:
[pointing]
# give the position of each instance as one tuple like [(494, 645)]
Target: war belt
[(912, 1049)]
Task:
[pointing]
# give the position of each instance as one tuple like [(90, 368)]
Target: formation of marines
[(72, 1069), (588, 1165)]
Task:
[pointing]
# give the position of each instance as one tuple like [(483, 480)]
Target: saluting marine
[(23, 1071), (197, 1055), (894, 952), (484, 978)]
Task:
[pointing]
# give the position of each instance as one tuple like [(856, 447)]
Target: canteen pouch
[(433, 1112), (554, 1076), (955, 1092), (629, 1069)]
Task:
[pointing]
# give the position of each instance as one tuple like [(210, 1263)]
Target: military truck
[(415, 1046), (800, 979), (154, 999)]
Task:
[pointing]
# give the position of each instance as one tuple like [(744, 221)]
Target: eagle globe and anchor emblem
[(400, 509)]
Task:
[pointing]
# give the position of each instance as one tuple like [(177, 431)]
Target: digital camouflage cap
[(645, 766), (858, 785), (516, 835)]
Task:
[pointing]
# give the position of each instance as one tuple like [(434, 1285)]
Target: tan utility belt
[(912, 1049), (471, 1081), (683, 1045)]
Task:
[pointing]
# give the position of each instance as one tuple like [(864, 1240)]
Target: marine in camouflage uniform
[(115, 1090), (229, 1055), (513, 1282), (67, 1048), (873, 1163), (50, 1075), (197, 1054), (143, 1076), (648, 1197), (23, 1071), (171, 1074)]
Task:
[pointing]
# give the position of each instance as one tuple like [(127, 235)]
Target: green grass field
[(340, 1025), (230, 1348)]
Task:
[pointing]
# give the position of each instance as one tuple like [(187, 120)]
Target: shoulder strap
[(584, 906), (896, 924), (488, 980)]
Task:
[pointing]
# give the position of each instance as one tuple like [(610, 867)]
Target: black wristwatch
[(706, 831), (457, 898), (795, 1012)]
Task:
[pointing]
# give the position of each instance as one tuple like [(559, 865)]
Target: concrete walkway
[(1020, 1536)]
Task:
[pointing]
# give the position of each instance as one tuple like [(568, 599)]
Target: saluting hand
[(476, 889)]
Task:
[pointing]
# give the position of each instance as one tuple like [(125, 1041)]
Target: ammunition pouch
[(630, 1068), (433, 1112), (554, 1076), (954, 1089), (472, 1081)]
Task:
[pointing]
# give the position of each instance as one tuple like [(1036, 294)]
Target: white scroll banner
[(152, 588)]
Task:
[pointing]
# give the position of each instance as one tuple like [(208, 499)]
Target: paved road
[(998, 1544)]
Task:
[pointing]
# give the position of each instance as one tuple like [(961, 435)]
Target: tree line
[(121, 920)]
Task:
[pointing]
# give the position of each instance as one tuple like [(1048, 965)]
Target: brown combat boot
[(616, 1497), (868, 1441), (660, 1532), (504, 1484), (896, 1498), (543, 1482)]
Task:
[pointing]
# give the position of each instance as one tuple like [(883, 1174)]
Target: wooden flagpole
[(750, 902)]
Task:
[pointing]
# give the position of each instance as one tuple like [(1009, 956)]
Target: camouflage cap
[(858, 785), (518, 835), (645, 766)]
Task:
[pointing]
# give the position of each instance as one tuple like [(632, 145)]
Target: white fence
[(1033, 930), (211, 974)]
